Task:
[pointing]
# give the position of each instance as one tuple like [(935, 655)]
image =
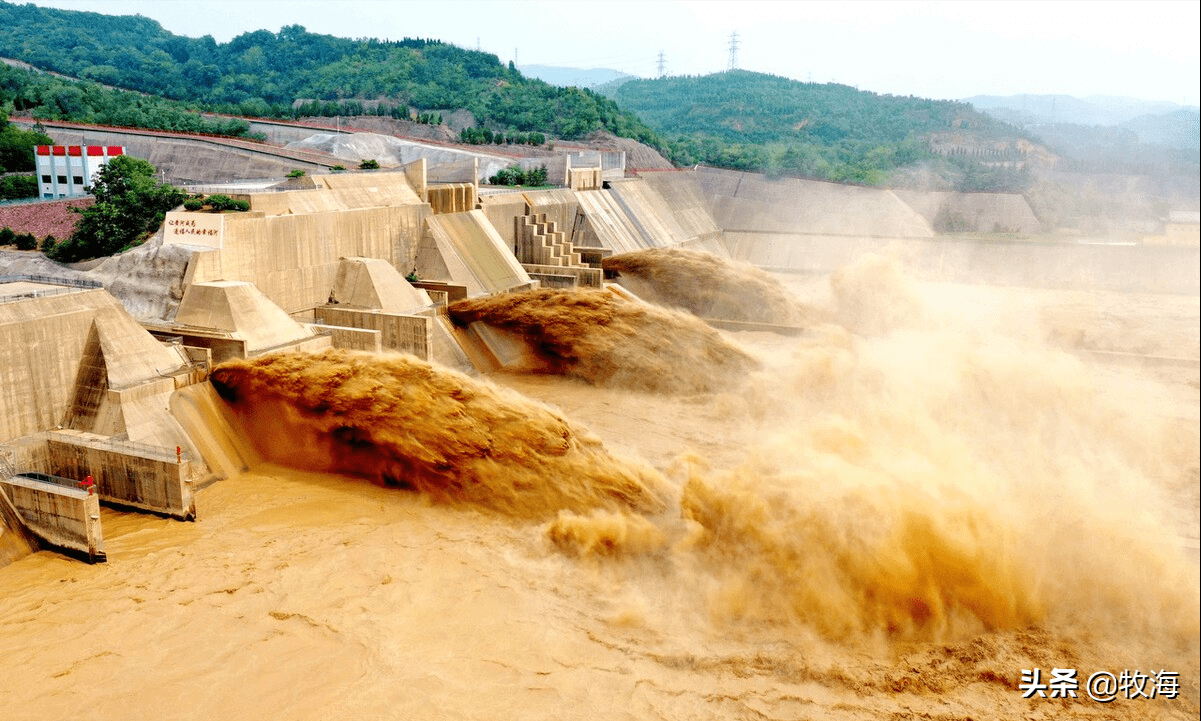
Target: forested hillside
[(765, 122), (736, 119), (264, 73)]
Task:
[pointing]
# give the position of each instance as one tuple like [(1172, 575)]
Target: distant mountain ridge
[(567, 77), (1067, 121), (1105, 110)]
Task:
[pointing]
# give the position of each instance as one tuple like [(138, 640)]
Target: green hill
[(756, 121), (736, 119), (263, 73)]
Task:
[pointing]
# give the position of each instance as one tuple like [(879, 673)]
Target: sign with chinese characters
[(1102, 686), (186, 228)]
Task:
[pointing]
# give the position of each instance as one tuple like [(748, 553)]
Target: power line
[(733, 51)]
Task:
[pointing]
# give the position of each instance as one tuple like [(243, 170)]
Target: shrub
[(7, 236), (48, 243), (337, 168), (18, 186), (296, 173), (371, 164), (220, 202), (128, 205), (25, 241), (536, 176), (193, 204)]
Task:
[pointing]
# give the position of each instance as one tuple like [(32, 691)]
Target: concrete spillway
[(466, 248)]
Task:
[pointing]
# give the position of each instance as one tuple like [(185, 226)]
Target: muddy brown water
[(889, 523)]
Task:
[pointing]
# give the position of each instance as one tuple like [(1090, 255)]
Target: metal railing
[(53, 480), (134, 448), (75, 282), (64, 285)]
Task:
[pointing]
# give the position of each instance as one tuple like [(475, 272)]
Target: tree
[(129, 205), (16, 147)]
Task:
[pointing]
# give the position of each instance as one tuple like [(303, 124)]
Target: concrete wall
[(464, 170), (405, 333), (363, 339), (682, 196), (293, 258), (754, 203), (451, 197), (61, 516), (130, 474), (190, 160), (16, 541), (980, 212)]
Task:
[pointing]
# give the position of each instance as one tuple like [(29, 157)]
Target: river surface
[(894, 518)]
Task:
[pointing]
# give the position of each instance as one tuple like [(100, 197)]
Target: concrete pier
[(136, 475), (59, 512)]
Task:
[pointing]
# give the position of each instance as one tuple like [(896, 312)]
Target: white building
[(65, 170)]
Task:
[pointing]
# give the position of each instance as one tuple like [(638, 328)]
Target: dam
[(440, 513)]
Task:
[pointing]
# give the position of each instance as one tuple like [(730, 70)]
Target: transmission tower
[(733, 51), (662, 65)]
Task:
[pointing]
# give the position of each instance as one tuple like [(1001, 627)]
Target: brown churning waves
[(400, 420), (605, 340), (710, 287)]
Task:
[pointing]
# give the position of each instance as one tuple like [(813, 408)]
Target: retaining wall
[(136, 475), (294, 259), (61, 516), (406, 333), (363, 339)]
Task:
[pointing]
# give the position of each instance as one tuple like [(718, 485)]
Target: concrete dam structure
[(369, 261), (84, 393), (648, 516), (814, 227)]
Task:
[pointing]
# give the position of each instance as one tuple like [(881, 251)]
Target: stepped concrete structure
[(85, 391), (549, 257)]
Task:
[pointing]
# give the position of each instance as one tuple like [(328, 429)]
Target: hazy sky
[(1142, 49)]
